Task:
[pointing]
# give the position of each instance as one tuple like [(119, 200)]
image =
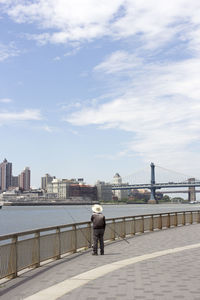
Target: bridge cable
[(179, 173)]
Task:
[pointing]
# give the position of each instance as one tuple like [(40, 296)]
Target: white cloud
[(119, 61), (70, 106), (153, 22), (26, 115), (7, 51), (5, 100), (70, 20), (160, 106), (57, 58), (48, 128)]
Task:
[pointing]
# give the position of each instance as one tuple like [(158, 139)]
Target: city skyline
[(90, 89), (9, 180)]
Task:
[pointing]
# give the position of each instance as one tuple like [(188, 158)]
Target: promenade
[(163, 264)]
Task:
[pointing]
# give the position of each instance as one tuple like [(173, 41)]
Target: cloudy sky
[(89, 88)]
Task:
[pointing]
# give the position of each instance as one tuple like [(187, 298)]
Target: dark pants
[(98, 236)]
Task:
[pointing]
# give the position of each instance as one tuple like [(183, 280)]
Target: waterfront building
[(65, 189), (46, 180), (104, 191), (120, 194), (83, 190), (5, 175), (25, 179), (10, 195)]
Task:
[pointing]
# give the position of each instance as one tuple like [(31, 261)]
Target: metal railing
[(29, 249)]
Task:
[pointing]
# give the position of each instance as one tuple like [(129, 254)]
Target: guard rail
[(31, 248)]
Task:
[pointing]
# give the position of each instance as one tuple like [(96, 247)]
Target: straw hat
[(97, 208)]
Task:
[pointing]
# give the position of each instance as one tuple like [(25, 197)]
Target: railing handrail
[(51, 228)]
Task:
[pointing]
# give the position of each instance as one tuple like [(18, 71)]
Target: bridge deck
[(138, 270)]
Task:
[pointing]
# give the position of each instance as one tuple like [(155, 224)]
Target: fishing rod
[(73, 219), (109, 225), (118, 234)]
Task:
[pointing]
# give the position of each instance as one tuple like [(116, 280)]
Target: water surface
[(21, 218)]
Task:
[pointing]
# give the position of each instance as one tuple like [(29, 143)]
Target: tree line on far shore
[(137, 197)]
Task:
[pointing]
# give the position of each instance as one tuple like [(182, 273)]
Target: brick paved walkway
[(170, 276)]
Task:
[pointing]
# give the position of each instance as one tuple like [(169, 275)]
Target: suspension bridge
[(182, 181)]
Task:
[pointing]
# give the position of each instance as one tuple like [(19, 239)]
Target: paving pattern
[(171, 276)]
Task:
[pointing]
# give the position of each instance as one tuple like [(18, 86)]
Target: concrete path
[(159, 265)]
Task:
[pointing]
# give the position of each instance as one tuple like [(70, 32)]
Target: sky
[(89, 88)]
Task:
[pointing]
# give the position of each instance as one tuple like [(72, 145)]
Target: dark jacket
[(98, 221)]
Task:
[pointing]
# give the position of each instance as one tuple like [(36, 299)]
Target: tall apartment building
[(25, 179), (5, 175), (46, 180)]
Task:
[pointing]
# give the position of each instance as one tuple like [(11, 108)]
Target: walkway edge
[(56, 291)]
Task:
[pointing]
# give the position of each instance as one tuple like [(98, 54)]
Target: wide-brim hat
[(97, 208)]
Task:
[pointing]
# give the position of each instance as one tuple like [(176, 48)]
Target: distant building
[(46, 180), (83, 190), (104, 191), (120, 194), (15, 181), (5, 175), (117, 179), (25, 179), (72, 188)]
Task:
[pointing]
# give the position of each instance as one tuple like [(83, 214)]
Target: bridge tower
[(152, 199), (191, 191)]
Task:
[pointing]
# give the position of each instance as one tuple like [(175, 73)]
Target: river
[(21, 218)]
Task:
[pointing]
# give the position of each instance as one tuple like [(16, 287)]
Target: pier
[(146, 257)]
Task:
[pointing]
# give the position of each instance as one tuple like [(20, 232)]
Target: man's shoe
[(102, 253)]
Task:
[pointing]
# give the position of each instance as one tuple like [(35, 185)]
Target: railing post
[(198, 217), (113, 232), (89, 235), (176, 219), (133, 226), (58, 243), (124, 228), (152, 224), (75, 238), (36, 253), (168, 220), (12, 264), (160, 222), (183, 218), (142, 226), (15, 254), (191, 217)]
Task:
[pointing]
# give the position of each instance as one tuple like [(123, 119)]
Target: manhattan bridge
[(160, 178)]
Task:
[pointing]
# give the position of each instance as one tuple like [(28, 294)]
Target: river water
[(21, 218)]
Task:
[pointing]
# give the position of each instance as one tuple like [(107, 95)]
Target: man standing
[(99, 224)]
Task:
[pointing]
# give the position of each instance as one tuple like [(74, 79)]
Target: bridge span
[(191, 183)]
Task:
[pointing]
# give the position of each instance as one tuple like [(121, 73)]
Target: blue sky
[(90, 88)]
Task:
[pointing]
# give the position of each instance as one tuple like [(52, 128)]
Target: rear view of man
[(99, 224)]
